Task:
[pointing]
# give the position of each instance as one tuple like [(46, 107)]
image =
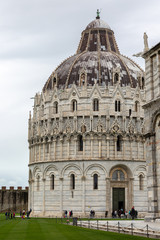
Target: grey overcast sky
[(35, 36)]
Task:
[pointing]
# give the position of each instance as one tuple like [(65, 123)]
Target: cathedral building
[(86, 134), (152, 129)]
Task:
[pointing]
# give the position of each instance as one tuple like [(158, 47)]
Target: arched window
[(52, 182), (38, 183), (118, 143), (118, 175), (143, 82), (80, 143), (56, 107), (141, 182), (130, 112), (72, 178), (117, 106), (74, 105), (95, 105), (116, 78), (95, 181)]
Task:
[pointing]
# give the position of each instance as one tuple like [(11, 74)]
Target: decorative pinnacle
[(98, 14)]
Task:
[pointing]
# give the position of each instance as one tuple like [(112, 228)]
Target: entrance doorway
[(118, 199)]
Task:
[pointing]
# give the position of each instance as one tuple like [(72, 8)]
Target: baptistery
[(85, 135)]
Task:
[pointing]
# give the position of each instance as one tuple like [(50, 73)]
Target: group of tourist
[(122, 213), (9, 215), (66, 214), (92, 214)]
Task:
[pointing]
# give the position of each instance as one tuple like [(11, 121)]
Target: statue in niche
[(83, 129), (68, 129), (99, 128), (82, 79)]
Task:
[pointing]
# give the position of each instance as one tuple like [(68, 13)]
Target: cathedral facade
[(152, 129), (86, 134)]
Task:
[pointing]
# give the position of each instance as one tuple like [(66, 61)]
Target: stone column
[(68, 150), (43, 207), (61, 195), (108, 196), (115, 146), (39, 152), (43, 151), (75, 146), (130, 193), (30, 155), (124, 145), (83, 195), (54, 149), (84, 147), (32, 195), (61, 147), (91, 146), (131, 139), (100, 147), (49, 157), (108, 152)]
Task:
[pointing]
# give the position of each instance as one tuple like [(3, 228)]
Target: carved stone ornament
[(115, 128), (68, 126), (100, 126), (131, 127)]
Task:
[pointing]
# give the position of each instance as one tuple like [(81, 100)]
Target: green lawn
[(46, 229)]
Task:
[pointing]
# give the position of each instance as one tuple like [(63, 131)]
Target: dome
[(98, 57), (97, 23)]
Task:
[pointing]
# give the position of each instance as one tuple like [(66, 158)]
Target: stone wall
[(13, 199)]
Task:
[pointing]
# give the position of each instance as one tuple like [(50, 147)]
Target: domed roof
[(97, 23), (97, 57)]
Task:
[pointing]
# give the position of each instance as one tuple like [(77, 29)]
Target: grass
[(46, 229)]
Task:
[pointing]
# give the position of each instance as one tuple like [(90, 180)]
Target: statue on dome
[(98, 14)]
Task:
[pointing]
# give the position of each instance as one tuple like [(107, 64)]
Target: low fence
[(111, 226)]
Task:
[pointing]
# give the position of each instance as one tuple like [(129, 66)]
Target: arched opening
[(116, 77), (119, 143), (72, 181), (95, 105), (95, 181), (55, 107), (141, 182), (80, 143), (130, 112), (52, 182), (74, 105)]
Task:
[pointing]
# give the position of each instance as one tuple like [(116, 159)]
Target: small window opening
[(95, 181), (130, 112), (72, 181), (74, 105), (80, 143), (52, 182), (116, 78), (117, 106), (141, 182), (118, 143), (95, 105), (56, 107)]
